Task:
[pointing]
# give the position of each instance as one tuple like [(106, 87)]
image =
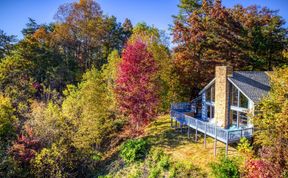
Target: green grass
[(180, 148), (185, 155)]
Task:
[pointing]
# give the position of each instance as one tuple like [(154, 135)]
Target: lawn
[(182, 149)]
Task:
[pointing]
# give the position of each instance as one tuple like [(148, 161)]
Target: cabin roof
[(254, 84)]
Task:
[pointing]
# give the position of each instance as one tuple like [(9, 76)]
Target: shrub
[(261, 168), (225, 168), (158, 162), (244, 146), (182, 170), (134, 150)]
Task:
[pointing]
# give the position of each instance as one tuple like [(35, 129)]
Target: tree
[(50, 67), (91, 35), (25, 147), (127, 29), (6, 44), (265, 36), (86, 108), (157, 45), (8, 121), (109, 73), (135, 85), (47, 122), (52, 162), (271, 121), (16, 81), (210, 34)]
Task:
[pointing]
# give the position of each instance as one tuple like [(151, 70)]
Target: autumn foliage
[(25, 147), (261, 168), (136, 88)]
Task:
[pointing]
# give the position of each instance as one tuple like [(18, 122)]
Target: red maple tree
[(136, 88)]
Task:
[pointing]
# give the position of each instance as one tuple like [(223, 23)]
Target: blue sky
[(14, 13)]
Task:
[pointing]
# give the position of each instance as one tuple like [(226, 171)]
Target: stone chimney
[(222, 95)]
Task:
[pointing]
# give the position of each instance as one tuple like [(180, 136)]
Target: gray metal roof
[(253, 84)]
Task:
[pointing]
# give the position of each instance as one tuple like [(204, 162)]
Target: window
[(240, 102), (243, 101), (213, 93), (210, 94), (234, 118), (243, 119), (210, 111), (234, 96)]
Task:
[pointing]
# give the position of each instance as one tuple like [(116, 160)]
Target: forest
[(77, 95)]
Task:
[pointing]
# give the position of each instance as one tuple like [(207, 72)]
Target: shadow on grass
[(162, 135)]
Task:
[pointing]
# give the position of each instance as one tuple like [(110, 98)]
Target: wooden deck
[(181, 112)]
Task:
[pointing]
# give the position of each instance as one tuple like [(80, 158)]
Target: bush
[(261, 168), (225, 168), (158, 162), (134, 150), (244, 146), (183, 170)]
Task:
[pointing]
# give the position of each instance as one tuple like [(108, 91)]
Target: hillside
[(187, 158)]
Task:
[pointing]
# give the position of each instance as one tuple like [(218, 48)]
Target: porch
[(183, 114)]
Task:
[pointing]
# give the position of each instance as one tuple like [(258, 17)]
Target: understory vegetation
[(89, 96)]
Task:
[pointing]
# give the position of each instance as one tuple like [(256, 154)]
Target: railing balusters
[(177, 113)]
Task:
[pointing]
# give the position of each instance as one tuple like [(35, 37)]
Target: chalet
[(224, 106)]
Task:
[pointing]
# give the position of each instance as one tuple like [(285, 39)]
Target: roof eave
[(207, 86), (240, 90)]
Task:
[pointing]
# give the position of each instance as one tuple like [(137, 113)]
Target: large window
[(210, 98), (243, 101), (237, 98), (238, 109)]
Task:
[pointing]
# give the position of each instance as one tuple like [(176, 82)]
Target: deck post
[(181, 127), (188, 132), (215, 141), (227, 141), (196, 131), (205, 136)]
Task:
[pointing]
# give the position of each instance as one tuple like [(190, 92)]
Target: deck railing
[(184, 106), (224, 135)]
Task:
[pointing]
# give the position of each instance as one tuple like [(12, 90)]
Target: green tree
[(86, 108), (52, 162), (16, 81), (271, 121), (6, 44), (109, 73), (93, 36), (244, 38), (8, 121)]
